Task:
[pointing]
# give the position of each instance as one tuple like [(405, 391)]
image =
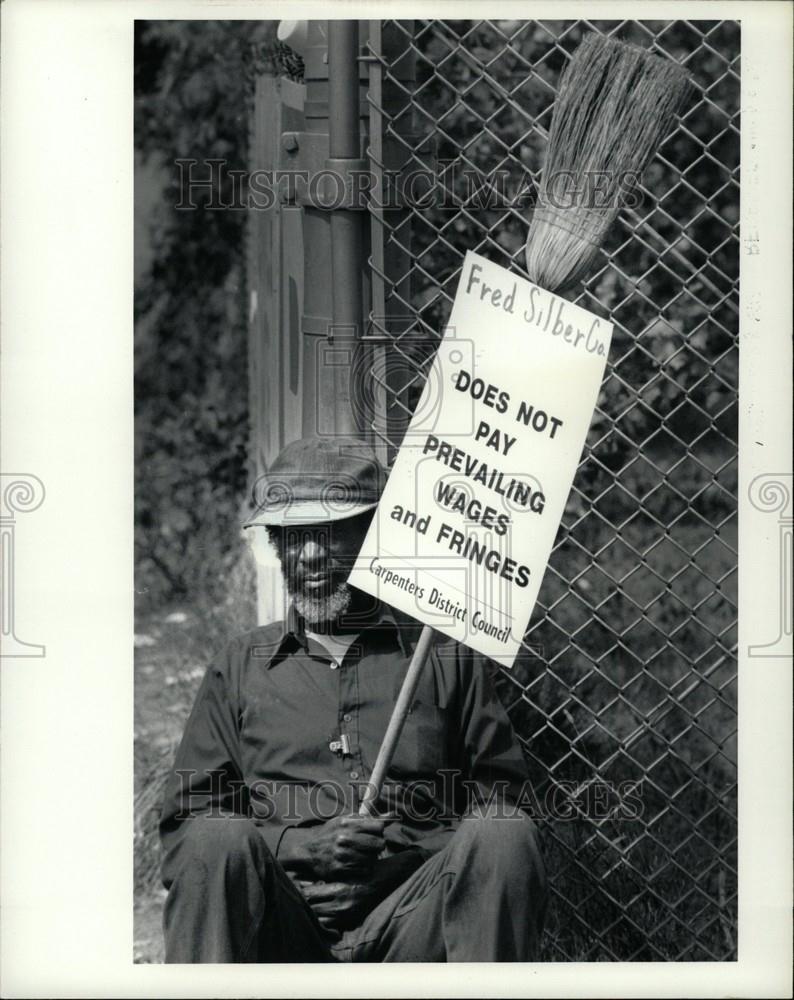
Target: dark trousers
[(480, 899)]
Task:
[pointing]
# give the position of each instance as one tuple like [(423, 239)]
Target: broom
[(616, 104)]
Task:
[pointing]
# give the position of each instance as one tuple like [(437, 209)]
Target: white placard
[(467, 521)]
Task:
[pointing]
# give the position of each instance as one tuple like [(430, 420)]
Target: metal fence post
[(329, 152), (310, 154), (347, 217)]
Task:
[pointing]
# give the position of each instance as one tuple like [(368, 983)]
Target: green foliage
[(192, 101)]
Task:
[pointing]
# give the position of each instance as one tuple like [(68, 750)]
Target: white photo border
[(67, 409)]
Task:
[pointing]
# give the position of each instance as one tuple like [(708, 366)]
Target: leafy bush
[(193, 93)]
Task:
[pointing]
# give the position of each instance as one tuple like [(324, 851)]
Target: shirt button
[(354, 775), (347, 718), (334, 665)]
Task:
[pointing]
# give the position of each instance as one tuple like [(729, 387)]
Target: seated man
[(265, 856)]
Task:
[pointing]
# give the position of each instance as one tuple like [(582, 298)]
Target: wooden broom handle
[(396, 722)]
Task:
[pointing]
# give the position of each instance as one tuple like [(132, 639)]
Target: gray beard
[(316, 610)]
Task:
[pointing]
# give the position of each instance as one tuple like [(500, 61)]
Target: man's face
[(316, 561)]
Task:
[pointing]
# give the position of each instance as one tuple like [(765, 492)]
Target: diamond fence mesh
[(626, 699)]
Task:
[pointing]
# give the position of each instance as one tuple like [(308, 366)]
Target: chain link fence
[(626, 699)]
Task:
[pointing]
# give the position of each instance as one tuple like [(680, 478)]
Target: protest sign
[(467, 521)]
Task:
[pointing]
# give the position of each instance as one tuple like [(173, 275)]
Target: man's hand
[(344, 848), (341, 905)]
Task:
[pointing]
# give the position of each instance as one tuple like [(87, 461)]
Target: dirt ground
[(167, 672)]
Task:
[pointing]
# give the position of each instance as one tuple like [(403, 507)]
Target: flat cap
[(317, 480)]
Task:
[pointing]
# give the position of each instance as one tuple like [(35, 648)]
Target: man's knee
[(222, 839), (507, 840)]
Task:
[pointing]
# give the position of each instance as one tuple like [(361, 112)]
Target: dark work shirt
[(281, 734)]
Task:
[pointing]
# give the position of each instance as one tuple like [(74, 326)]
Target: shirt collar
[(293, 634)]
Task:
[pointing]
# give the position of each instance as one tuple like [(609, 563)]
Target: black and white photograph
[(442, 434), (306, 193)]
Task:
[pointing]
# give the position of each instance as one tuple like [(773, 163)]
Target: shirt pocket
[(423, 747)]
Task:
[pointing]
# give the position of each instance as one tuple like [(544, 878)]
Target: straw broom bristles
[(616, 104)]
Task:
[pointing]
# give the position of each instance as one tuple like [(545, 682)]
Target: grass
[(173, 648)]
